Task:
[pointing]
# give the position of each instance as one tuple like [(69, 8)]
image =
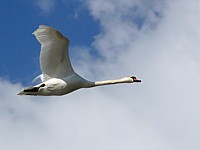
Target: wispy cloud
[(122, 22), (45, 5)]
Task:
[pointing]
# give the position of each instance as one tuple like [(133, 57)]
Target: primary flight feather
[(58, 76)]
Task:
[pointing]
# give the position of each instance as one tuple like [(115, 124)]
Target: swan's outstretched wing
[(54, 57)]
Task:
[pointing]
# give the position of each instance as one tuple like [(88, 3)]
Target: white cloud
[(161, 113), (99, 121), (166, 59), (123, 21)]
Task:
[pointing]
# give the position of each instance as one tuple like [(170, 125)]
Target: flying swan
[(58, 76)]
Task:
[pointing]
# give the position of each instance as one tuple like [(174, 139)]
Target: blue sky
[(19, 56), (155, 40)]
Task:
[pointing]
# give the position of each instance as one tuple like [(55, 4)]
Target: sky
[(155, 40)]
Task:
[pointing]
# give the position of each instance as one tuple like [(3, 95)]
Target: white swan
[(58, 76)]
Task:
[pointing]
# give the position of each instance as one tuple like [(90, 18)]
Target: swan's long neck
[(117, 81)]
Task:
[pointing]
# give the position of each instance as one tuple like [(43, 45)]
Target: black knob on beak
[(135, 79)]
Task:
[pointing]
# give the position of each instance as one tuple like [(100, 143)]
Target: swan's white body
[(58, 76)]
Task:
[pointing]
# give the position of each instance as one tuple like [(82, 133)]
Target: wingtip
[(44, 26), (34, 33), (40, 27)]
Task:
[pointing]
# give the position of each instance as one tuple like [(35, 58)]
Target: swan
[(58, 77)]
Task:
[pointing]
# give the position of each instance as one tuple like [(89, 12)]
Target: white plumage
[(58, 76)]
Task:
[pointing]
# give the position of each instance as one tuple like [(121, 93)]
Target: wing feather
[(54, 56)]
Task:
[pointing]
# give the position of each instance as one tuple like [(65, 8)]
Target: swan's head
[(129, 79), (135, 79)]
